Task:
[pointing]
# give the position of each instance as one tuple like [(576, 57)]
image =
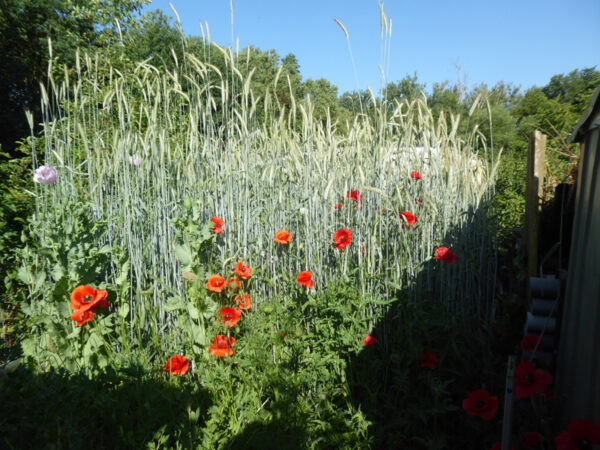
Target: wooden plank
[(536, 160)]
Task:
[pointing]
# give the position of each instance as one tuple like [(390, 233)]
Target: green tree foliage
[(445, 98), (324, 97), (290, 84), (156, 39), (555, 109), (407, 88), (26, 26)]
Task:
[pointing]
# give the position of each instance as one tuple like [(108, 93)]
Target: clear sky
[(524, 42)]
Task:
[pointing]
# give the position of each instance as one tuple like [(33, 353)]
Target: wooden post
[(536, 160)]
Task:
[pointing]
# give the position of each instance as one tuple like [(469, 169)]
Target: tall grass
[(200, 143)]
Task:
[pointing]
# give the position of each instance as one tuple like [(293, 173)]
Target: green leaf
[(124, 310), (28, 346), (24, 275), (40, 280), (92, 344), (57, 272), (182, 252), (199, 335), (75, 333), (64, 309), (124, 273), (13, 365), (206, 232), (193, 311), (174, 304), (106, 249)]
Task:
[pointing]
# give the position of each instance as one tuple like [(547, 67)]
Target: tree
[(446, 98), (154, 39), (407, 88), (576, 88), (25, 26), (323, 95), (291, 71)]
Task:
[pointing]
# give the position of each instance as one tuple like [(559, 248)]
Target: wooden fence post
[(536, 159)]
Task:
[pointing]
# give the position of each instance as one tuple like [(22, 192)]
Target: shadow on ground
[(58, 410)]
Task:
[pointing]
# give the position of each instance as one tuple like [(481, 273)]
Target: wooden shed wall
[(578, 369)]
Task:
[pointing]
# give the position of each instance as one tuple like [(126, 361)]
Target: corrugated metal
[(578, 369)]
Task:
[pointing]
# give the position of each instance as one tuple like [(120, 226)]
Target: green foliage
[(408, 88), (300, 378), (155, 40), (16, 204), (73, 255), (26, 26), (323, 96)]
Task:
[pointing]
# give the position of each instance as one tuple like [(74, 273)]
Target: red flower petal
[(369, 340), (582, 429), (342, 238), (177, 365), (305, 279)]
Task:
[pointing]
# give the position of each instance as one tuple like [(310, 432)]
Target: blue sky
[(524, 42)]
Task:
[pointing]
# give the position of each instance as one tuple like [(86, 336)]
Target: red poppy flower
[(338, 206), (408, 218), (530, 342), (82, 317), (234, 283), (243, 301), (498, 446), (530, 381), (283, 237), (229, 316), (565, 441), (532, 440), (581, 435), (354, 195), (243, 271), (369, 340), (415, 175), (481, 403), (582, 429), (218, 224), (177, 365), (446, 255), (222, 346), (342, 238), (84, 298), (305, 279), (429, 360), (216, 283)]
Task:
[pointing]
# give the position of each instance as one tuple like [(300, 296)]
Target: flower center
[(527, 379), (87, 299), (480, 404), (227, 317)]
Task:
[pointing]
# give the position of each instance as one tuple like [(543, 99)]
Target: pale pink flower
[(45, 174)]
